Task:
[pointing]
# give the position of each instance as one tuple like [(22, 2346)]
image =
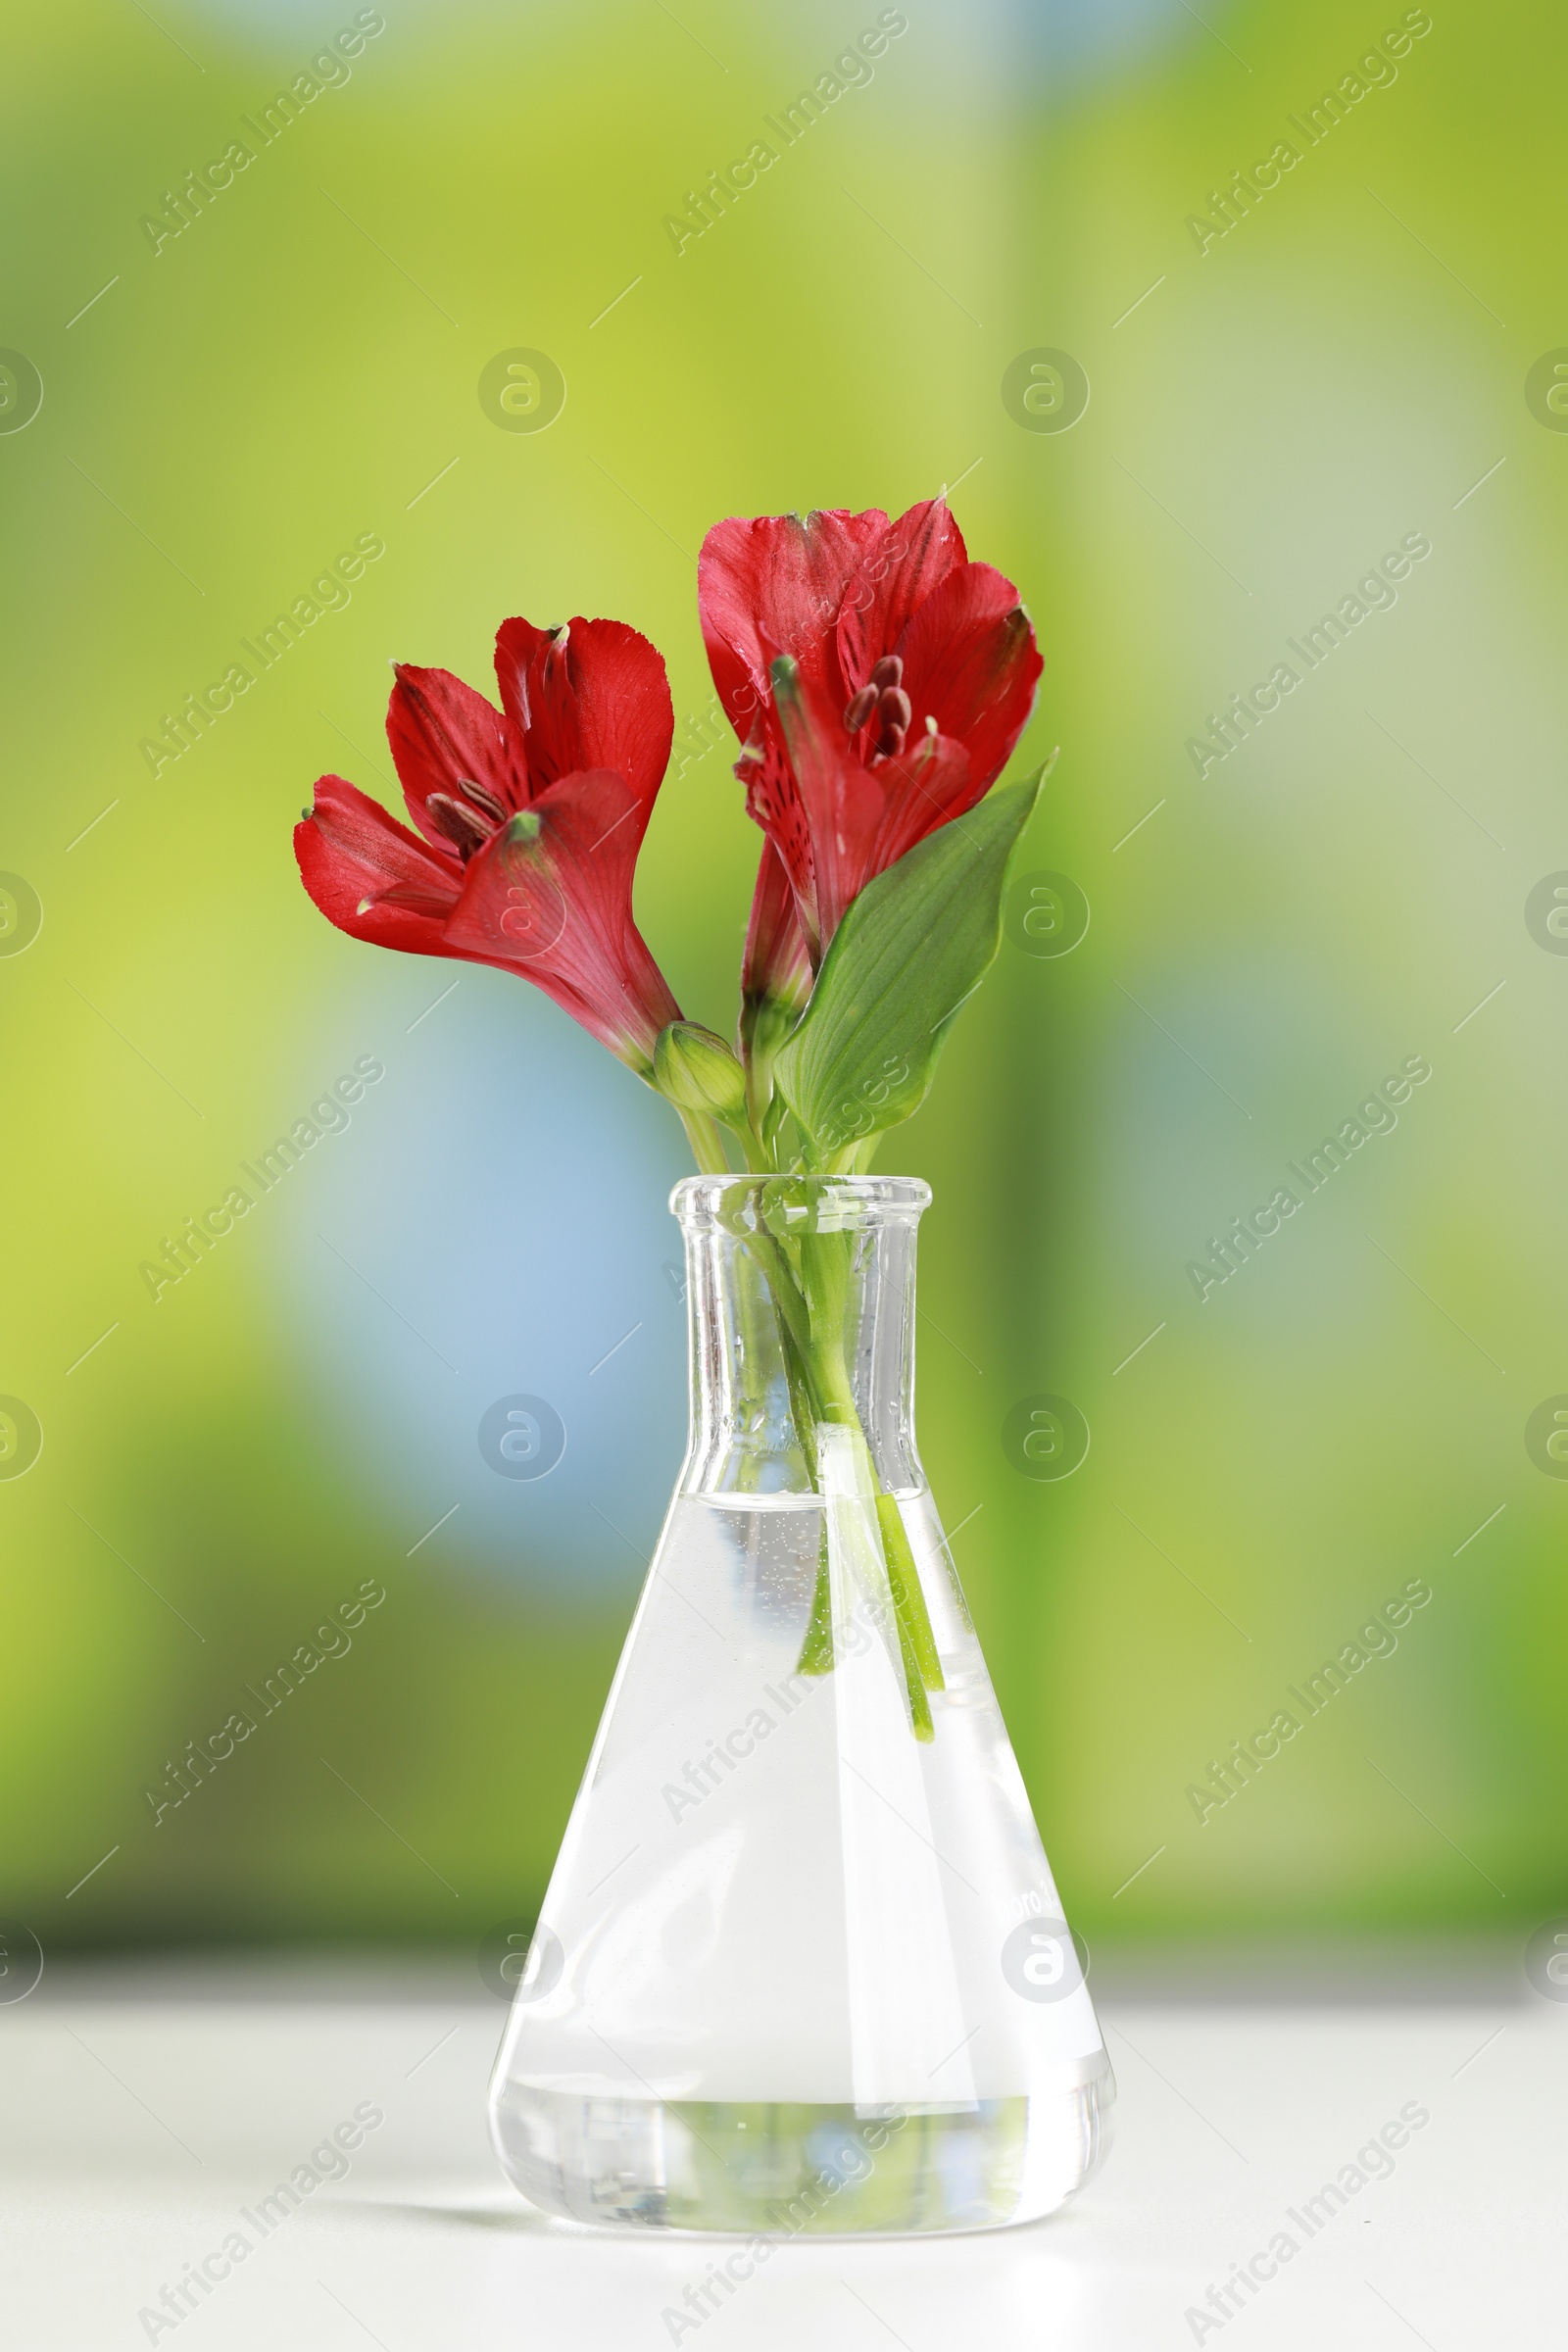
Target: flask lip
[(781, 1204)]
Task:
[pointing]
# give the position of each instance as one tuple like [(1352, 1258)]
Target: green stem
[(802, 1402), (914, 1687), (757, 1162), (708, 1145), (820, 1381), (794, 1314), (794, 1331), (904, 1577), (817, 1646), (773, 1119), (810, 1318)]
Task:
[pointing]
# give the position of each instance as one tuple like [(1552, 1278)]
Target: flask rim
[(746, 1201)]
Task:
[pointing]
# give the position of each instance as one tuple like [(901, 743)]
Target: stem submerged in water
[(811, 1317), (904, 1578), (816, 1649)]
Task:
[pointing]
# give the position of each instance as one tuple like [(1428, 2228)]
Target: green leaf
[(912, 946)]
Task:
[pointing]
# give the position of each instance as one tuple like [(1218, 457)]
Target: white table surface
[(143, 2108)]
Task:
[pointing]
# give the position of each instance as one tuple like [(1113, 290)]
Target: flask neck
[(800, 1293)]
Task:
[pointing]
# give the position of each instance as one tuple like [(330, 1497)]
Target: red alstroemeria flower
[(529, 819), (907, 677)]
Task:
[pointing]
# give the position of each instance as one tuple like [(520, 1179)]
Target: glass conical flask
[(801, 1966)]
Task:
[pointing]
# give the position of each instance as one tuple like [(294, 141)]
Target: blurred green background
[(1268, 417)]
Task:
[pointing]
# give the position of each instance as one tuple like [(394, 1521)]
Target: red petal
[(896, 576), (773, 586), (773, 801), (971, 663), (927, 785), (775, 963), (518, 644), (550, 896), (602, 702), (350, 849), (840, 799), (442, 733)]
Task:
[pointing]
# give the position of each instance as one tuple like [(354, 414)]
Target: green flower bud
[(697, 1071)]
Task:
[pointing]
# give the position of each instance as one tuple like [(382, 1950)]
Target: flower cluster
[(877, 682)]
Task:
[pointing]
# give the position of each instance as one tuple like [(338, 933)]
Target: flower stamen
[(488, 802), (893, 712), (463, 827)]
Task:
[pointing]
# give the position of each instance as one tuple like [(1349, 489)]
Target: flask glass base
[(787, 2170)]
